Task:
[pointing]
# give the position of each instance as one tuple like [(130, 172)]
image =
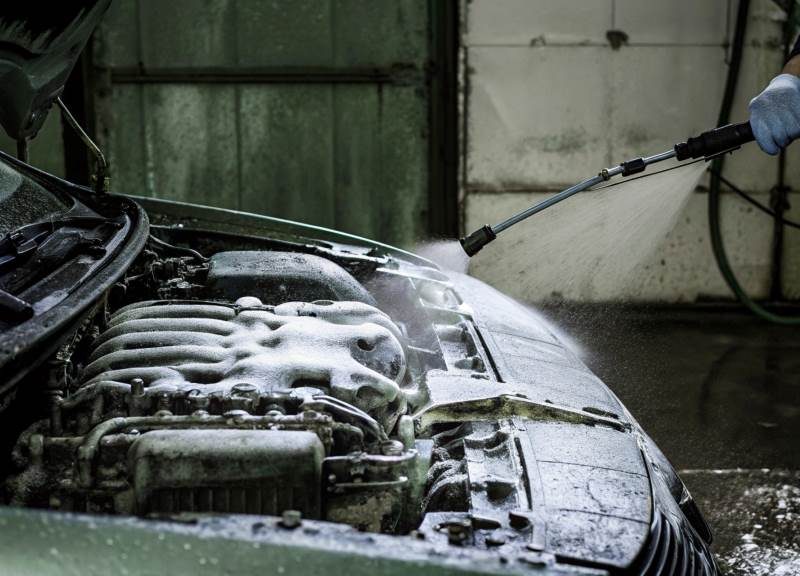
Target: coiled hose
[(717, 244)]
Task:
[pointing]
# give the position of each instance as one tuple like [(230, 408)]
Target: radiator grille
[(674, 550)]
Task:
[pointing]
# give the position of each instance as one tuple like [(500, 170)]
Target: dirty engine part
[(240, 407)]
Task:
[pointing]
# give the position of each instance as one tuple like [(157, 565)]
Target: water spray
[(707, 145)]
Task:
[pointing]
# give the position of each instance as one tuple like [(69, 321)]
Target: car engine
[(252, 382)]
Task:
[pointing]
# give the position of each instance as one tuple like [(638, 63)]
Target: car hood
[(39, 45), (44, 290)]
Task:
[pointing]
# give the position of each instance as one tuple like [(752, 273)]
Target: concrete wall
[(549, 102)]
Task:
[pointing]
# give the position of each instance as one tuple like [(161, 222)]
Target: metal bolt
[(243, 389), (137, 387), (164, 401), (197, 400)]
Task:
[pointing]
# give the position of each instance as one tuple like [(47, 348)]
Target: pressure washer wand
[(706, 145)]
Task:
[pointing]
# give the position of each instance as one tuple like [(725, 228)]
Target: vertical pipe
[(22, 149), (779, 203), (779, 195)]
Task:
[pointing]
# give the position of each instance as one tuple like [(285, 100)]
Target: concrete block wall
[(550, 102)]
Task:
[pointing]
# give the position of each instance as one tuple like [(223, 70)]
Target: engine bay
[(224, 376), (253, 381)]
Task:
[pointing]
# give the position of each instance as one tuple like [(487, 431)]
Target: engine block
[(230, 407), (244, 351)]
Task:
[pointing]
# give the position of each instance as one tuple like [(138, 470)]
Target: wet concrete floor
[(719, 391)]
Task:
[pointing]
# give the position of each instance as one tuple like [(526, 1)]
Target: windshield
[(24, 201)]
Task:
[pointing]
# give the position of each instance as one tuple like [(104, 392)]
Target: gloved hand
[(775, 113)]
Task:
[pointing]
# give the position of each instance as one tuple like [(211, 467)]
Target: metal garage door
[(311, 110)]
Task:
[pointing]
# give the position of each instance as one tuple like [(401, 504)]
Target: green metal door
[(312, 110)]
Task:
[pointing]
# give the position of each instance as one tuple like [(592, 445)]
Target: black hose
[(756, 204), (159, 243), (716, 170)]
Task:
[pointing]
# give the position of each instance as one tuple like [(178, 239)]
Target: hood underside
[(40, 42)]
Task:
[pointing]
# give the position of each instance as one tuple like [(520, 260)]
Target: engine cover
[(210, 351), (281, 277)]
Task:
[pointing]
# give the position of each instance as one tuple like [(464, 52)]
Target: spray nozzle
[(473, 243)]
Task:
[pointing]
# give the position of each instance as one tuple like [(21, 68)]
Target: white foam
[(446, 253)]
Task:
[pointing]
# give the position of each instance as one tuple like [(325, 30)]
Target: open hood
[(40, 41)]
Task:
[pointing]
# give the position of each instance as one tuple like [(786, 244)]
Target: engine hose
[(717, 243)]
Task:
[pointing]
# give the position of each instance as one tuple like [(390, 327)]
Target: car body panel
[(40, 543)]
